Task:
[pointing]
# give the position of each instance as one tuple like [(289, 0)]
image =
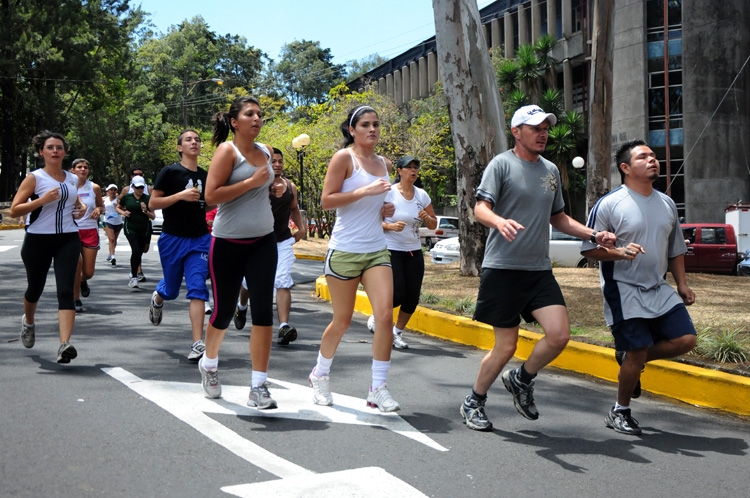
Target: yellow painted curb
[(307, 256), (694, 385), (10, 227)]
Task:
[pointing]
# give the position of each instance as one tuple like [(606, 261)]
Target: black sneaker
[(622, 422), (472, 411), (141, 277), (113, 261), (287, 334), (240, 318), (78, 305), (85, 290), (523, 394), (66, 353), (620, 357)]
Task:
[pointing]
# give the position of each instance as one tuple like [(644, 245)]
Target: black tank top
[(281, 208)]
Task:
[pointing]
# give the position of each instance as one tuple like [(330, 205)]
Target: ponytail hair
[(222, 120), (351, 120)]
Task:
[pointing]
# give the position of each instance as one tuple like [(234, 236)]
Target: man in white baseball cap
[(519, 197)]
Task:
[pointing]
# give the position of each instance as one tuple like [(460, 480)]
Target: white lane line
[(6, 248)]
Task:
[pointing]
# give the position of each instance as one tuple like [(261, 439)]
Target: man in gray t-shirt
[(647, 316), (518, 198)]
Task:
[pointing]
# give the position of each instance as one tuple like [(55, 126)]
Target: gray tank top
[(248, 215)]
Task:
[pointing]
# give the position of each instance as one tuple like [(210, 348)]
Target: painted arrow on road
[(187, 402)]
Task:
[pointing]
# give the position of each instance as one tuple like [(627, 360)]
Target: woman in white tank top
[(355, 185), (49, 197)]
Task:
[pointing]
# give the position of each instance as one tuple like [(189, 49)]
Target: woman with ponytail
[(355, 185), (243, 243)]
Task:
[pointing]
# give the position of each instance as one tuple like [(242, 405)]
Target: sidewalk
[(693, 385)]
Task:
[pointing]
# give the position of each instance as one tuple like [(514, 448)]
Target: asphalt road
[(128, 418)]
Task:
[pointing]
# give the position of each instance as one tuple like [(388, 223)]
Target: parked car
[(711, 247), (446, 251), (158, 221), (447, 226), (565, 250), (743, 267)]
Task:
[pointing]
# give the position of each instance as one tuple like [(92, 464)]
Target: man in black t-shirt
[(185, 240)]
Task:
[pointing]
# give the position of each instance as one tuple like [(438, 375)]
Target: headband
[(357, 110)]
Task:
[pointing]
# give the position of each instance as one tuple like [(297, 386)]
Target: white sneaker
[(371, 324), (207, 308), (398, 341), (196, 351), (381, 399), (321, 389), (133, 283)]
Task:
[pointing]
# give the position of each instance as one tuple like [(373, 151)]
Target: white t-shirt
[(111, 215), (406, 211), (88, 197)]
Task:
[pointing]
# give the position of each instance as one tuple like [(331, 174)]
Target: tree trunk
[(600, 108), (475, 110)]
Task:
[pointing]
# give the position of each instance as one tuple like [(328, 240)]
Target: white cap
[(111, 185), (138, 181), (532, 115)]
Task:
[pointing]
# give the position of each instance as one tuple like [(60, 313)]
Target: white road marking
[(187, 402), (364, 482), (6, 248)]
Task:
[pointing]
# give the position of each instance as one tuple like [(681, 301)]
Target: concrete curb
[(694, 385), (10, 227), (307, 256)]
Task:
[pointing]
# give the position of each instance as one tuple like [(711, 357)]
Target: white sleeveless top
[(111, 215), (248, 215), (88, 197), (359, 227), (56, 216), (406, 211)]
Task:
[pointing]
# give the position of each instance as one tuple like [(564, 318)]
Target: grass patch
[(724, 346)]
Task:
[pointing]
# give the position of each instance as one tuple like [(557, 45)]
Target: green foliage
[(724, 346), (429, 298), (306, 72), (356, 68)]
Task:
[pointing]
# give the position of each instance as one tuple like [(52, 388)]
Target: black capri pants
[(408, 272), (137, 244), (38, 251), (231, 259)]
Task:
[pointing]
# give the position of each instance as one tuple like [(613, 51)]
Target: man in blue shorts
[(647, 316), (518, 198), (184, 242)]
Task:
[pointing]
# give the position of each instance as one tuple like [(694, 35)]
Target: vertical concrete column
[(552, 18), (375, 86), (406, 86), (398, 88), (389, 84), (495, 33), (523, 25), (432, 70), (424, 90), (510, 49), (414, 80), (568, 85), (381, 86), (567, 19), (536, 21)]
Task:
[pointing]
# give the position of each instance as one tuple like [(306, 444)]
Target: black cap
[(404, 161)]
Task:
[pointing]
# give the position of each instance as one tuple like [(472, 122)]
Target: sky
[(352, 30)]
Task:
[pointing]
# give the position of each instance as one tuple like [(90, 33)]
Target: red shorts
[(89, 238)]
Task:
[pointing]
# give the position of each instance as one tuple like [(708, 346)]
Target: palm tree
[(530, 73), (547, 64)]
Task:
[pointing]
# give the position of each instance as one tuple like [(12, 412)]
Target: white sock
[(379, 372), (240, 307), (282, 325), (323, 367), (619, 407), (258, 378), (397, 331), (210, 363)]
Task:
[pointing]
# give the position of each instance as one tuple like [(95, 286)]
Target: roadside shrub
[(428, 298), (725, 346)]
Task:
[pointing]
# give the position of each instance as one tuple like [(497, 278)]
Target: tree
[(600, 108), (306, 72), (475, 109), (356, 68)]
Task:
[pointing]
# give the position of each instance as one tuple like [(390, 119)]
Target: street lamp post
[(185, 91), (300, 143), (578, 163)]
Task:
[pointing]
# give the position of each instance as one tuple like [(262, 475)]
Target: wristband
[(592, 237)]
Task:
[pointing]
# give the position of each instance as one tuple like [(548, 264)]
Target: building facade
[(680, 82)]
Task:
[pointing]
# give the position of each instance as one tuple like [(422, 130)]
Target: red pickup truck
[(711, 247)]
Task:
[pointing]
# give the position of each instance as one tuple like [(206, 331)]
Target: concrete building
[(681, 82)]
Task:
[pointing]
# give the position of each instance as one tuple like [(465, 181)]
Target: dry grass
[(721, 300)]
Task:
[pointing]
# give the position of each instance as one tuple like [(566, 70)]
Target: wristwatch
[(592, 238)]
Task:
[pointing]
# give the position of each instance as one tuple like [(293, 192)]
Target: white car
[(446, 251), (158, 221), (564, 250)]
